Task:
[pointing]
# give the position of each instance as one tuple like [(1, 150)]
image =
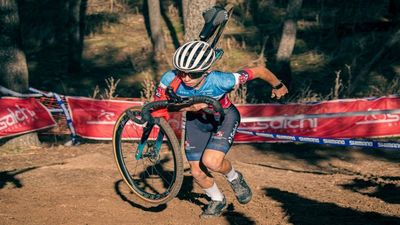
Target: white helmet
[(194, 56)]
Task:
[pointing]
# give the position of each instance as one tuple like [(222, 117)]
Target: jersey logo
[(159, 92), (232, 134), (243, 77), (219, 134)]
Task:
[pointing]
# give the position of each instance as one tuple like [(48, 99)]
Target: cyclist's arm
[(159, 96), (278, 88)]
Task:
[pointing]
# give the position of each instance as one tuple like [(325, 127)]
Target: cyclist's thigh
[(222, 138), (197, 137)]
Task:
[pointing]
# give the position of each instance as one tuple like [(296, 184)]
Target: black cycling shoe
[(242, 190), (214, 209)]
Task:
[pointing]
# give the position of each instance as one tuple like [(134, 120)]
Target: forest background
[(322, 49), (335, 42)]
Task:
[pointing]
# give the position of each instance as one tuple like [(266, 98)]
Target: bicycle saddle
[(213, 17)]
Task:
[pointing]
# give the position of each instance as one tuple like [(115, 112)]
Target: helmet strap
[(198, 83)]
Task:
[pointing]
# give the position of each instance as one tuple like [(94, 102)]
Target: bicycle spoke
[(162, 177)]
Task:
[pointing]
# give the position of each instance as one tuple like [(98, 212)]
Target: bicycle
[(152, 165)]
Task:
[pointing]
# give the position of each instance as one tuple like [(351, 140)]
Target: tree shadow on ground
[(10, 177), (317, 172), (131, 202), (303, 211), (311, 154), (152, 188), (315, 154), (186, 193), (95, 23), (237, 218), (384, 188)]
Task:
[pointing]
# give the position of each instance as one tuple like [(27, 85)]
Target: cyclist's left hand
[(279, 93)]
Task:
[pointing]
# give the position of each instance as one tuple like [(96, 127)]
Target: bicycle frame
[(173, 101), (143, 140)]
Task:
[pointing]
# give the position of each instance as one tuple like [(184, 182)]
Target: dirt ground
[(292, 184)]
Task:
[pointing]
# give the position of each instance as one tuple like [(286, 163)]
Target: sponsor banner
[(384, 125), (95, 119), (23, 115)]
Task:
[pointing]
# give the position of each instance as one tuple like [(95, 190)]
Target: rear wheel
[(156, 174)]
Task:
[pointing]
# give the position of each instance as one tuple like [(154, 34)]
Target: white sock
[(231, 175), (214, 193)]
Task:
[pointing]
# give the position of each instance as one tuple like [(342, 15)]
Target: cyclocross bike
[(152, 165)]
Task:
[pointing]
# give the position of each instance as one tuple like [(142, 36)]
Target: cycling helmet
[(194, 57)]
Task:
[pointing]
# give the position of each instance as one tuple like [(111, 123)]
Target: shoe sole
[(245, 201), (215, 215)]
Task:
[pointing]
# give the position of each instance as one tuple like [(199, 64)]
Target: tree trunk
[(76, 11), (13, 66), (192, 17), (288, 40), (157, 36)]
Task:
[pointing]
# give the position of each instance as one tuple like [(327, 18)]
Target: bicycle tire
[(147, 185)]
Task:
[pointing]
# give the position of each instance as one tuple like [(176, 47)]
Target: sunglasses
[(182, 74)]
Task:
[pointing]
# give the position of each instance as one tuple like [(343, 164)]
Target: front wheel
[(152, 167)]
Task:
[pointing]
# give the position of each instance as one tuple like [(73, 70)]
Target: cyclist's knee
[(212, 163)]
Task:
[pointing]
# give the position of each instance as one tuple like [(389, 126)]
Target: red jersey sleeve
[(245, 75), (159, 96)]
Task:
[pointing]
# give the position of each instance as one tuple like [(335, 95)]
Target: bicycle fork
[(143, 142)]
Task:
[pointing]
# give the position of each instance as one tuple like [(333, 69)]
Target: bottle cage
[(215, 19)]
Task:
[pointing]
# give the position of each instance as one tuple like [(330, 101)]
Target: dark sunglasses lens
[(191, 75), (195, 75)]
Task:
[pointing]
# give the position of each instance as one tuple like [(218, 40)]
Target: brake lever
[(173, 97)]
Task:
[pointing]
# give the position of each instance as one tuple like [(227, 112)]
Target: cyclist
[(207, 142)]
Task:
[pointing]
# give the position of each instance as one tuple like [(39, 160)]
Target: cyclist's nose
[(186, 79)]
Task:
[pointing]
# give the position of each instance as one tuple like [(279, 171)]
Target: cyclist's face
[(191, 79)]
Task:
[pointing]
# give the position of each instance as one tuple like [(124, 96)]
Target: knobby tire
[(140, 186)]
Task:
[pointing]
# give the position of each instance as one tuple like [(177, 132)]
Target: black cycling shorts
[(203, 132)]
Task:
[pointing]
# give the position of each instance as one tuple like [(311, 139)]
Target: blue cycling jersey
[(216, 84)]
